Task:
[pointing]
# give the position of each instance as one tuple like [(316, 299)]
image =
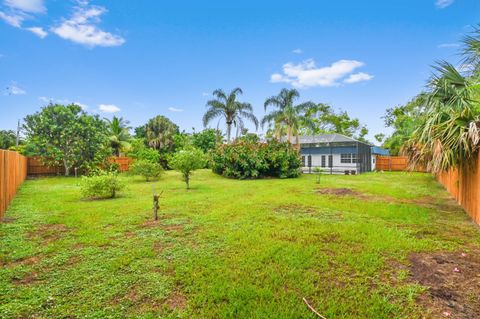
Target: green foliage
[(66, 135), (140, 151), (251, 159), (119, 135), (326, 120), (146, 169), (103, 185), (159, 133), (287, 119), (207, 139), (228, 107), (404, 119), (8, 138), (186, 161)]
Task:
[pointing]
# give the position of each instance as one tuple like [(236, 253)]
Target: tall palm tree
[(119, 134), (287, 116), (159, 132), (449, 134), (228, 107), (471, 50)]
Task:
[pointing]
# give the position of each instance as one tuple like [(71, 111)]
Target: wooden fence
[(391, 163), (13, 171), (36, 167), (464, 185)]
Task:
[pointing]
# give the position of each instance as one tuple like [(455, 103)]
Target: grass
[(225, 248)]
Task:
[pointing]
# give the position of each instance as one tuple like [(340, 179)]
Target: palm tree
[(449, 134), (471, 50), (119, 134), (288, 117), (159, 133), (230, 109)]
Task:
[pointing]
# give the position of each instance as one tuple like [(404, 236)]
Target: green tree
[(288, 117), (159, 133), (146, 169), (66, 135), (186, 161), (119, 135), (326, 120), (403, 119), (228, 107), (8, 138), (206, 139), (449, 132)]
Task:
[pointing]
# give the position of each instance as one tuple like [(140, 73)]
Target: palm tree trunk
[(229, 129), (289, 134)]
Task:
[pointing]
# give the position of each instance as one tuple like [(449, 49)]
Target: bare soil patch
[(453, 281), (294, 209), (49, 232), (339, 192), (176, 301)]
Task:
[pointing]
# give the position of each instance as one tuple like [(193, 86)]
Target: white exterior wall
[(338, 167), (374, 161)]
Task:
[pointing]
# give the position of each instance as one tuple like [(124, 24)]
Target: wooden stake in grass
[(313, 309), (156, 205)]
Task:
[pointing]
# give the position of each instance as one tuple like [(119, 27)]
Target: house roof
[(326, 138), (380, 151)]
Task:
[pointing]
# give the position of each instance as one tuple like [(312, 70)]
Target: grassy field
[(227, 248)]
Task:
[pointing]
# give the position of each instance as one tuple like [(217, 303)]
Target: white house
[(335, 154)]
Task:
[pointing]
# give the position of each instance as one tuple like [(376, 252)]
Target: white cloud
[(205, 94), (443, 3), (82, 28), (297, 51), (83, 106), (174, 109), (307, 74), (38, 31), (358, 77), (14, 89), (448, 45), (32, 6), (108, 108), (14, 20)]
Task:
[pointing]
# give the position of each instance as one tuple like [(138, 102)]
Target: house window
[(309, 160), (303, 161), (355, 158), (323, 161), (330, 160), (345, 158)]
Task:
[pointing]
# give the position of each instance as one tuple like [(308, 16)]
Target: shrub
[(248, 158), (186, 161), (104, 185), (146, 169)]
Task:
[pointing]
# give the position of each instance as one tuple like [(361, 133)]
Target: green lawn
[(225, 248)]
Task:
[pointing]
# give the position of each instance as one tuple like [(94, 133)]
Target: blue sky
[(138, 59)]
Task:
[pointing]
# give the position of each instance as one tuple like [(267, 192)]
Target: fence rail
[(391, 163), (13, 171)]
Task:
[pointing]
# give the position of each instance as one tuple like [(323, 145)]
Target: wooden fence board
[(13, 171), (463, 184), (36, 166)]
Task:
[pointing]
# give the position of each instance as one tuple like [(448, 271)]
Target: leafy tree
[(103, 185), (7, 139), (159, 133), (140, 151), (404, 119), (66, 135), (288, 117), (186, 161), (119, 135), (207, 139), (326, 120), (379, 137), (146, 169), (228, 107)]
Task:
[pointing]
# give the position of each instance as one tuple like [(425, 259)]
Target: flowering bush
[(251, 159)]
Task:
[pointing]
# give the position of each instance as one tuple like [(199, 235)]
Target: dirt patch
[(453, 282), (27, 261), (338, 192), (49, 232), (295, 209), (160, 247), (27, 279), (7, 220), (176, 301)]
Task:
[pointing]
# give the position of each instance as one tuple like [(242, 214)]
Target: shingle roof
[(325, 138)]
